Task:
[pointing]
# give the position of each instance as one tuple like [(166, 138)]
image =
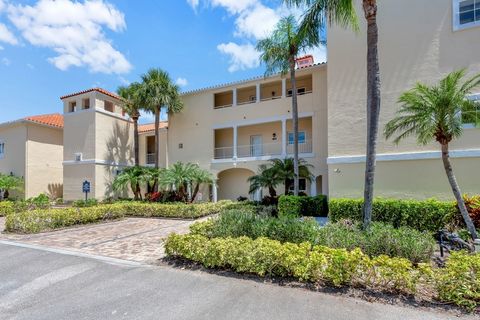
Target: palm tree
[(130, 177), (434, 113), (200, 176), (158, 91), (342, 12), (279, 52), (178, 177), (284, 169), (132, 106), (266, 177)]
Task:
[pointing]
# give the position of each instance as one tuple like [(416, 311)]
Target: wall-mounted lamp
[(274, 136), (336, 170)]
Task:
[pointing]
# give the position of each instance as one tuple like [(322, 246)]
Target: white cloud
[(2, 5), (256, 22), (30, 66), (193, 3), (234, 6), (1, 48), (75, 31), (6, 62), (182, 82), (241, 56), (124, 81), (6, 35)]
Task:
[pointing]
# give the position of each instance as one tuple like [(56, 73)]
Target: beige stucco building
[(231, 129)]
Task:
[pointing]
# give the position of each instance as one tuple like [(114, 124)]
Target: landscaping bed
[(39, 220)]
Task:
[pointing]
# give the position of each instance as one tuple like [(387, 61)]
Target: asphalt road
[(40, 284)]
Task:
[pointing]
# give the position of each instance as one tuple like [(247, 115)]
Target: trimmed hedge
[(6, 207), (303, 206), (429, 215), (337, 267), (39, 220)]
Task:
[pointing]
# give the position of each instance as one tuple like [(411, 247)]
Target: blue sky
[(51, 48)]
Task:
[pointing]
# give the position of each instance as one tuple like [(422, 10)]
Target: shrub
[(6, 207), (458, 282), (381, 239), (473, 206), (429, 215), (85, 203), (303, 205), (41, 201), (39, 220), (263, 256)]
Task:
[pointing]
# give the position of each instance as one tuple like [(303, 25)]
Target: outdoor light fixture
[(274, 136)]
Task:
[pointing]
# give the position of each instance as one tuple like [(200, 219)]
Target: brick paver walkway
[(133, 239)]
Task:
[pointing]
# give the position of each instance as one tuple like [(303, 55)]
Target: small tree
[(10, 183), (434, 113), (199, 177), (284, 169), (265, 178), (130, 177)]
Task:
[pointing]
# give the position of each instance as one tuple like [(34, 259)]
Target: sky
[(50, 48)]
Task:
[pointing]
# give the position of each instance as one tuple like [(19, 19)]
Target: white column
[(214, 193), (234, 97), (284, 88), (313, 187), (258, 93), (284, 138), (235, 133)]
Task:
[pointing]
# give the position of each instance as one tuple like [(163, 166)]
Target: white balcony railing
[(150, 158), (261, 150)]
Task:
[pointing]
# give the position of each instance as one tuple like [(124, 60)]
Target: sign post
[(86, 189)]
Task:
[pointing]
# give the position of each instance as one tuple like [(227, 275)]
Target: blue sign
[(86, 186)]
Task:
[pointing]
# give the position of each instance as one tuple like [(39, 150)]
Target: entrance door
[(256, 146)]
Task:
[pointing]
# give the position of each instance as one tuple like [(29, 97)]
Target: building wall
[(15, 138), (73, 177), (163, 147), (417, 43), (44, 157)]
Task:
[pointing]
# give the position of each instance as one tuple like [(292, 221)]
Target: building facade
[(231, 129)]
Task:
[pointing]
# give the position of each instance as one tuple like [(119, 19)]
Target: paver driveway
[(135, 239)]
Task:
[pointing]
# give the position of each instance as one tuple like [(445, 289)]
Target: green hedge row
[(429, 215), (6, 207), (39, 220), (457, 283), (303, 206)]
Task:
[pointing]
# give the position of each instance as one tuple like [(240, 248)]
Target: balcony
[(262, 141), (150, 158)]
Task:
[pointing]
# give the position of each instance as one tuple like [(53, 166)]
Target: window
[(466, 13), (72, 106), (108, 106), (302, 185), (302, 137), (2, 149), (301, 90), (86, 103)]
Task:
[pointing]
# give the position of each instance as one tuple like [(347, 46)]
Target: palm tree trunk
[(157, 144), (195, 192), (456, 191), (373, 106), (295, 126), (135, 141)]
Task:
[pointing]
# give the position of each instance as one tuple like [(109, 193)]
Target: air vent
[(78, 157)]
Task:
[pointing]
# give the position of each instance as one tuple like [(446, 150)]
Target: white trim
[(424, 155), (242, 123), (96, 161), (262, 158), (456, 18)]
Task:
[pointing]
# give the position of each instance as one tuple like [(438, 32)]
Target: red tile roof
[(151, 127), (53, 120), (106, 92)]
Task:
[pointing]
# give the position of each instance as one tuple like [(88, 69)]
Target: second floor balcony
[(262, 141)]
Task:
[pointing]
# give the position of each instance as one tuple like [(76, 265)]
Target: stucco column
[(284, 138), (235, 140), (313, 187), (258, 93), (234, 97), (214, 193), (284, 87)]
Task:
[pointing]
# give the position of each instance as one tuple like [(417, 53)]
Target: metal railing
[(150, 158), (261, 150)]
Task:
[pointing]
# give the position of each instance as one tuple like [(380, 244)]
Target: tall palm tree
[(159, 91), (279, 52), (342, 12), (132, 106), (434, 113)]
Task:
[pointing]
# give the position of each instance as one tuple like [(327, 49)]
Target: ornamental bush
[(303, 206), (457, 283), (6, 207), (39, 220), (429, 215)]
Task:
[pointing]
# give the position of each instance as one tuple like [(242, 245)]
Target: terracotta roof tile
[(54, 120), (106, 92), (151, 127)]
